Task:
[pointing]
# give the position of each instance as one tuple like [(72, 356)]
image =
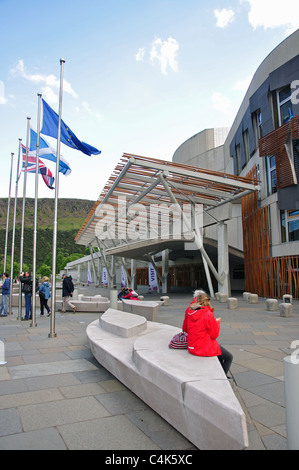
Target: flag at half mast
[(42, 169), (67, 137), (47, 152)]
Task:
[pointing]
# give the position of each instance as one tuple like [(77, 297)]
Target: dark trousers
[(44, 304), (225, 359)]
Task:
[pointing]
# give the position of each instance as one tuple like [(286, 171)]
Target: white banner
[(104, 277), (89, 279), (123, 277), (152, 277)]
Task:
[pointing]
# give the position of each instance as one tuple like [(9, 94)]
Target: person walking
[(44, 295), (67, 292), (26, 281), (5, 295)]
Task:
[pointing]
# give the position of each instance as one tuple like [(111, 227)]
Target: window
[(289, 226), (271, 174), (284, 105), (257, 127), (238, 159), (246, 146)]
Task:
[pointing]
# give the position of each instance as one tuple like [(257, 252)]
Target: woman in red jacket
[(203, 330)]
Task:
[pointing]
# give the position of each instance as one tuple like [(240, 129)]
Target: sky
[(140, 77)]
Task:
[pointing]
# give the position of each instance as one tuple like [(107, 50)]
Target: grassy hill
[(71, 215)]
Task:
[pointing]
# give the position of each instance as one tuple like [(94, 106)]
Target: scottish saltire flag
[(50, 128), (47, 152), (42, 169)]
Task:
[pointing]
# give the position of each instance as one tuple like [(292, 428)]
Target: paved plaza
[(54, 394)]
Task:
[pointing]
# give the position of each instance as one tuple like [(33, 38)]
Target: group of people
[(43, 290), (127, 293)]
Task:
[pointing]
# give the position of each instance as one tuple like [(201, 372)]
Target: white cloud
[(165, 53), (140, 54), (269, 14), (50, 83), (221, 103), (224, 17), (3, 100)]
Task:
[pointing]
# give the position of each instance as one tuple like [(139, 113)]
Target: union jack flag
[(42, 169)]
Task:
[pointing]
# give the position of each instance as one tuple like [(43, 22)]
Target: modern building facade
[(263, 142), (261, 229)]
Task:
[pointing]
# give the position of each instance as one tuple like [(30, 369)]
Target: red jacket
[(202, 329)]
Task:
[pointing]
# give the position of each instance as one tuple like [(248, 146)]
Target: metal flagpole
[(7, 215), (23, 217), (52, 333), (14, 229), (33, 322)]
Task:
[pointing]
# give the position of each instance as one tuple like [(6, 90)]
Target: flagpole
[(33, 322), (14, 229), (7, 214), (23, 218), (52, 333)]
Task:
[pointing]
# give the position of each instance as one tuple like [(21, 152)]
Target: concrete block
[(232, 303), (272, 305), (148, 309), (122, 324), (285, 310), (287, 298), (253, 299), (222, 297), (165, 300), (246, 296)]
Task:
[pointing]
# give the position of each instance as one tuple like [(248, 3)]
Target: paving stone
[(111, 433), (43, 439), (9, 422)]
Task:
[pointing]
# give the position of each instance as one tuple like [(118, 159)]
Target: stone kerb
[(287, 298), (246, 296)]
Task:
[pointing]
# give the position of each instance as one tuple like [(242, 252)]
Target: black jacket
[(67, 287), (27, 284)]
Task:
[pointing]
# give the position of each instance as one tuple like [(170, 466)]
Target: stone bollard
[(140, 297), (288, 299), (232, 303), (222, 297), (272, 305), (246, 296), (253, 299), (285, 310), (165, 299)]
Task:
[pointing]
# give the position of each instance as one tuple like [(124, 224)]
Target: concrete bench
[(148, 309), (191, 393), (90, 298), (100, 306)]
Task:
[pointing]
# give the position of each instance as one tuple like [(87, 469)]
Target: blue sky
[(141, 77)]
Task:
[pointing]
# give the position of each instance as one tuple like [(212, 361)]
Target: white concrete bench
[(191, 393), (100, 306), (148, 309)]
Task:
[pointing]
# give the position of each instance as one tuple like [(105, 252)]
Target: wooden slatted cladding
[(274, 143), (265, 276)]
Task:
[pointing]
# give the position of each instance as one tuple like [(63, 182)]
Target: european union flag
[(50, 127)]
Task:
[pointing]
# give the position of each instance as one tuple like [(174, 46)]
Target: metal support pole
[(52, 333), (291, 383)]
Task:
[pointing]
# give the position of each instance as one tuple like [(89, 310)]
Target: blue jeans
[(4, 304), (28, 305)]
